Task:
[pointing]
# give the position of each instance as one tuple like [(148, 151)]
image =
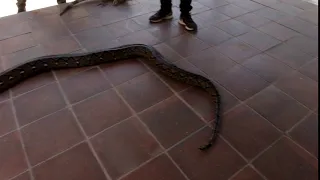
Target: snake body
[(150, 55)]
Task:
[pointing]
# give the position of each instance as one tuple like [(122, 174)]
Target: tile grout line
[(301, 147), (207, 123), (14, 177), (146, 127), (244, 103), (178, 96), (299, 122), (59, 153), (26, 157), (238, 172), (165, 152), (82, 130)]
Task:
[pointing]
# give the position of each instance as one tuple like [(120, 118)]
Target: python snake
[(20, 72)]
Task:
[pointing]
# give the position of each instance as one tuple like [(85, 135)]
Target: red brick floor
[(126, 121)]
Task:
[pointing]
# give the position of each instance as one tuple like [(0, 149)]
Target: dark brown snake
[(13, 76)]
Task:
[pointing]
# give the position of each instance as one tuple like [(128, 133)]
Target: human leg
[(185, 17), (21, 4)]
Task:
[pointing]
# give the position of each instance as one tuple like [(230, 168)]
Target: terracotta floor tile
[(252, 20), (285, 160), (83, 24), (160, 168), (7, 121), (126, 142), (171, 121), (94, 37), (50, 136), (287, 8), (231, 10), (63, 45), (234, 27), (259, 40), (310, 15), (122, 71), (306, 5), (213, 36), (211, 17), (133, 10), (38, 103), (278, 108), (305, 44), (198, 7), (306, 134), (13, 30), (139, 37), (174, 84), (201, 101), (186, 45), (64, 73), (246, 174), (237, 50), (311, 70), (32, 83), (12, 159), (111, 15), (221, 156), (168, 52), (278, 31), (268, 68), (289, 55), (122, 28), (301, 26), (249, 136), (166, 30), (74, 14), (245, 85), (24, 176), (17, 43), (76, 163), (84, 85), (48, 28), (211, 62), (300, 88), (187, 66), (247, 5), (143, 20), (267, 2), (271, 14), (4, 96), (94, 116), (17, 58), (213, 3), (144, 91)]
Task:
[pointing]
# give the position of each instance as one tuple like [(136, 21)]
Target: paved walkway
[(126, 121)]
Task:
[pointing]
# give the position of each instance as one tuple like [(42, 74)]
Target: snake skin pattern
[(150, 55)]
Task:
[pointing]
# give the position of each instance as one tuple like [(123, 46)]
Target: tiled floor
[(126, 121)]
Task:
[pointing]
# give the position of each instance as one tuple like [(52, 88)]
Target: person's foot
[(188, 23), (160, 16)]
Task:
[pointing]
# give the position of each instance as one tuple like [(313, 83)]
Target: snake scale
[(150, 55)]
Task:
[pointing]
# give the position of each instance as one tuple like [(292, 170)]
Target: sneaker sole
[(165, 18), (185, 26)]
